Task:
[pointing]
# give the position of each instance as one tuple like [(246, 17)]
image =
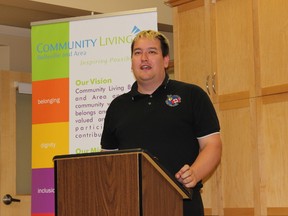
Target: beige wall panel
[(4, 57), (19, 42)]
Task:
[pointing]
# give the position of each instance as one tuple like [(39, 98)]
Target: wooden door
[(233, 61), (214, 47), (8, 145), (273, 46), (192, 43), (240, 163), (273, 136)]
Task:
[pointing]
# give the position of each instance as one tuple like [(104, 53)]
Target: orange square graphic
[(50, 101)]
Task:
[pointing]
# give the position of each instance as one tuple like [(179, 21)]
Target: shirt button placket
[(150, 102)]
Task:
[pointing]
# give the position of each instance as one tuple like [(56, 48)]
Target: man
[(175, 121)]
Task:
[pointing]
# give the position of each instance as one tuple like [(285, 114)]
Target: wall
[(17, 41), (108, 6)]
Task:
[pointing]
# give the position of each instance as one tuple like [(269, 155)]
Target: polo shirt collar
[(134, 90)]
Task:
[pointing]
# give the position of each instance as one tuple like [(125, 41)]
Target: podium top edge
[(91, 154)]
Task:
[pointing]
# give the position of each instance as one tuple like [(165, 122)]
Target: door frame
[(8, 87)]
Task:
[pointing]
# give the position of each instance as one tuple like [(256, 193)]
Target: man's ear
[(166, 61)]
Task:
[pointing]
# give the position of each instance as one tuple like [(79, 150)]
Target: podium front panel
[(104, 185), (159, 197)]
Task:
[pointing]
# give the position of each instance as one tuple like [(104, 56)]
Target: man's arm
[(208, 159)]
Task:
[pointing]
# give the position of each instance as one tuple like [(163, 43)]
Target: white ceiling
[(20, 13)]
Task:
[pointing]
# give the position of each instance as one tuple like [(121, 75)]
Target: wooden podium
[(117, 183)]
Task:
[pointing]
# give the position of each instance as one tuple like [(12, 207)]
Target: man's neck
[(148, 88)]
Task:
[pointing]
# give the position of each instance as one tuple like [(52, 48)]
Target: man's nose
[(144, 56)]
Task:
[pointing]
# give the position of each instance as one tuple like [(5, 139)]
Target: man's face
[(148, 64)]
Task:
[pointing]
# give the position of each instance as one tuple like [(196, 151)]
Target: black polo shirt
[(167, 123)]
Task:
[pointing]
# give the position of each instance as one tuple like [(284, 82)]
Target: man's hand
[(187, 176)]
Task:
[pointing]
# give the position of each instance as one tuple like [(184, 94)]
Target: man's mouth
[(145, 67)]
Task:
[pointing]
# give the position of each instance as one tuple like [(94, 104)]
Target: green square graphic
[(50, 51)]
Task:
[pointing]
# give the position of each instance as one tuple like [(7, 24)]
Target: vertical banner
[(78, 67)]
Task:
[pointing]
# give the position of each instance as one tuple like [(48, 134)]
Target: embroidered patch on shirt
[(173, 100)]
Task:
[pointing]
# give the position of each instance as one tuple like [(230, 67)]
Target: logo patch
[(173, 100)]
